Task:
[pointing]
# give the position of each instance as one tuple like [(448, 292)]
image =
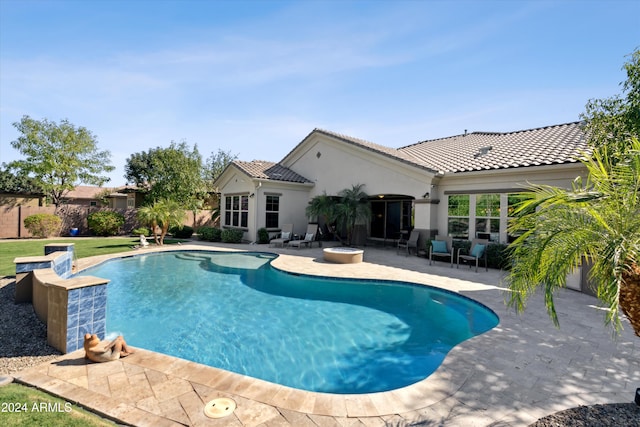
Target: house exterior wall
[(334, 165), (502, 182), (293, 203)]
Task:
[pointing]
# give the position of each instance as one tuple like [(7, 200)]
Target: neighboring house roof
[(261, 169), (85, 192), (564, 143)]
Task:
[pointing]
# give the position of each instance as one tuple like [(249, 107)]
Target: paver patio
[(520, 371)]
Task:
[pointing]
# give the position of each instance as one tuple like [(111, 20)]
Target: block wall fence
[(12, 219)]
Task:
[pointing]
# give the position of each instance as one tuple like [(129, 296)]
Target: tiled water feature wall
[(69, 306)]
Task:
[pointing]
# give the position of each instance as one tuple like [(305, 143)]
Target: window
[(93, 203), (513, 200), (488, 216), (272, 208), (458, 216), (236, 211), (131, 203)]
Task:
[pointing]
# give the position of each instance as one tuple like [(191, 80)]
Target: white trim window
[(272, 211), (458, 216), (236, 211), (488, 216)]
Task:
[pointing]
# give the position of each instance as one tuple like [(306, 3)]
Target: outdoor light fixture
[(425, 195)]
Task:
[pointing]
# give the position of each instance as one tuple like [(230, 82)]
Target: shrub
[(232, 236), (43, 225), (181, 233), (498, 256), (210, 234), (142, 230), (105, 223), (263, 235)]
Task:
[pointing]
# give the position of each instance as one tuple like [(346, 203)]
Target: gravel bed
[(23, 343), (612, 415), (23, 338)]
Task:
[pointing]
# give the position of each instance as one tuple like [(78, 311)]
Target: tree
[(163, 214), (59, 156), (614, 121), (173, 173), (352, 209), (217, 163), (323, 207), (596, 222), (17, 183)]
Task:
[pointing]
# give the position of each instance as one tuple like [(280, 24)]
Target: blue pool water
[(235, 312)]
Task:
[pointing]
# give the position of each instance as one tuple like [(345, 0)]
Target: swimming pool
[(236, 312)]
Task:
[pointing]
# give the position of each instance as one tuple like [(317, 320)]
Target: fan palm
[(596, 222), (353, 208), (162, 214)]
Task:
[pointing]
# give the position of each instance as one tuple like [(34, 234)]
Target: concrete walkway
[(518, 372)]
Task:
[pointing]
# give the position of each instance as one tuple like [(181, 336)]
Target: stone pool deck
[(518, 372)]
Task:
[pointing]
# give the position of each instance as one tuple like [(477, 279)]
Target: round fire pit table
[(343, 255)]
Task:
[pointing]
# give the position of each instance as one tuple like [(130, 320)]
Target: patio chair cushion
[(285, 234), (477, 251), (308, 237), (439, 246)]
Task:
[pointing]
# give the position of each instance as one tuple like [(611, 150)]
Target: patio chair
[(441, 247), (478, 251), (309, 238), (285, 236), (407, 244)]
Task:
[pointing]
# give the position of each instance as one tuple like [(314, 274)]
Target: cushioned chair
[(285, 236), (407, 244), (478, 251), (309, 238), (441, 247)]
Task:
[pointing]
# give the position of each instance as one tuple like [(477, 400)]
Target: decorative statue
[(113, 351)]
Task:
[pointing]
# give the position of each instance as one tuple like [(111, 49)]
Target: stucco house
[(458, 186)]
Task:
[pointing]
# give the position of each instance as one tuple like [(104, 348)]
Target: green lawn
[(84, 247), (26, 406)]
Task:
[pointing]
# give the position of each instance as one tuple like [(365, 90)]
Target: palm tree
[(353, 208), (323, 208), (162, 214), (597, 222)]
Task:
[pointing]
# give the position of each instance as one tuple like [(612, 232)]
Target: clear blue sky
[(255, 77)]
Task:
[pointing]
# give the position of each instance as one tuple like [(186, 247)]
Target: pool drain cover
[(220, 407)]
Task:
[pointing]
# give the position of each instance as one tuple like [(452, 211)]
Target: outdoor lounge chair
[(286, 233), (441, 247), (407, 244), (309, 238), (478, 250)]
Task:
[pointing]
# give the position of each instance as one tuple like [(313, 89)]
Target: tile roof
[(86, 192), (496, 150), (262, 169)]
